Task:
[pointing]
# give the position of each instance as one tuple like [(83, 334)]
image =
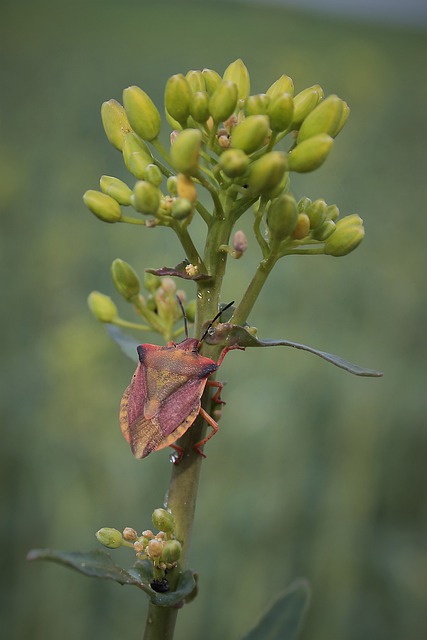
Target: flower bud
[(325, 118), (348, 234), (178, 98), (282, 217), (129, 534), (199, 106), (186, 188), (324, 231), (111, 538), (102, 307), (311, 153), (115, 122), (125, 279), (344, 118), (146, 198), (282, 186), (142, 113), (102, 206), (223, 101), (116, 188), (257, 105), (305, 102), (237, 72), (190, 310), (233, 162), (303, 203), (153, 174), (172, 185), (182, 208), (240, 242), (267, 172), (174, 124), (284, 84), (154, 549), (280, 111), (196, 81), (185, 151), (171, 551), (316, 211), (151, 282), (302, 227), (162, 519), (250, 134), (332, 212), (212, 80), (136, 155)]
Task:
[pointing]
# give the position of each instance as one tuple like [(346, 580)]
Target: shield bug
[(163, 398)]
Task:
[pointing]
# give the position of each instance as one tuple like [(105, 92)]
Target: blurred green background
[(314, 473)]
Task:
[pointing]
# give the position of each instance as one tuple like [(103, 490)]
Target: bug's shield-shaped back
[(163, 398)]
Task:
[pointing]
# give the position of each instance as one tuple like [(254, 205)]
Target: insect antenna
[(210, 325), (184, 316)]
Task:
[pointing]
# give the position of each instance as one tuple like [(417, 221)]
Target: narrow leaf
[(180, 271), (126, 343), (283, 620)]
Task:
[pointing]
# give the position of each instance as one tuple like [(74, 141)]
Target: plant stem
[(252, 292), (159, 626)]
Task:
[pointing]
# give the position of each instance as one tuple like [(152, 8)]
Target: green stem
[(131, 325), (188, 245), (161, 150), (214, 195), (160, 623), (252, 292)]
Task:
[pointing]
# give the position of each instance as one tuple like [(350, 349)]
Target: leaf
[(283, 620), (143, 570), (126, 343), (232, 334), (179, 272)]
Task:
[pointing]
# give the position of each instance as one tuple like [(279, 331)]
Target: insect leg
[(211, 422), (180, 452), (216, 398), (226, 350)]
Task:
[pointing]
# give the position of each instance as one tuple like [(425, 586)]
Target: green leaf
[(126, 343), (283, 620), (233, 335), (143, 570)]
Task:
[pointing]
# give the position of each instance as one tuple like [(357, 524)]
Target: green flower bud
[(280, 111), (125, 279), (142, 113), (311, 153), (171, 551), (115, 122), (223, 101), (282, 217), (178, 98), (111, 538), (199, 107), (257, 105), (282, 186), (250, 134), (302, 227), (267, 172), (196, 81), (172, 185), (151, 282), (344, 118), (303, 204), (317, 213), (117, 189), (325, 118), (305, 102), (185, 151), (324, 231), (234, 162), (102, 206), (153, 174), (333, 212), (136, 155), (102, 307), (284, 84), (174, 124), (163, 520), (146, 198), (237, 72), (182, 208), (190, 310), (348, 234), (212, 80)]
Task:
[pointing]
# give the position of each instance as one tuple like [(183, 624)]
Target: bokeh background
[(315, 473)]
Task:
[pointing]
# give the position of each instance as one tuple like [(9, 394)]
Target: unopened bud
[(196, 80), (102, 206), (327, 117), (212, 80), (115, 122), (172, 185), (240, 241), (162, 519), (111, 538), (284, 84), (130, 534), (282, 217), (125, 279), (303, 203), (178, 98), (154, 549), (348, 234), (310, 154), (199, 107), (223, 101), (185, 151), (280, 111), (146, 198), (181, 209), (136, 155), (267, 172), (316, 211), (257, 105), (142, 113), (234, 162), (186, 188), (171, 551), (237, 72), (151, 282), (324, 231), (305, 102), (333, 212), (302, 228), (153, 174), (102, 307), (116, 188), (250, 134), (190, 310)]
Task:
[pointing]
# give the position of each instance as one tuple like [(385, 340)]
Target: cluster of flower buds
[(158, 308), (223, 139), (162, 548)]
